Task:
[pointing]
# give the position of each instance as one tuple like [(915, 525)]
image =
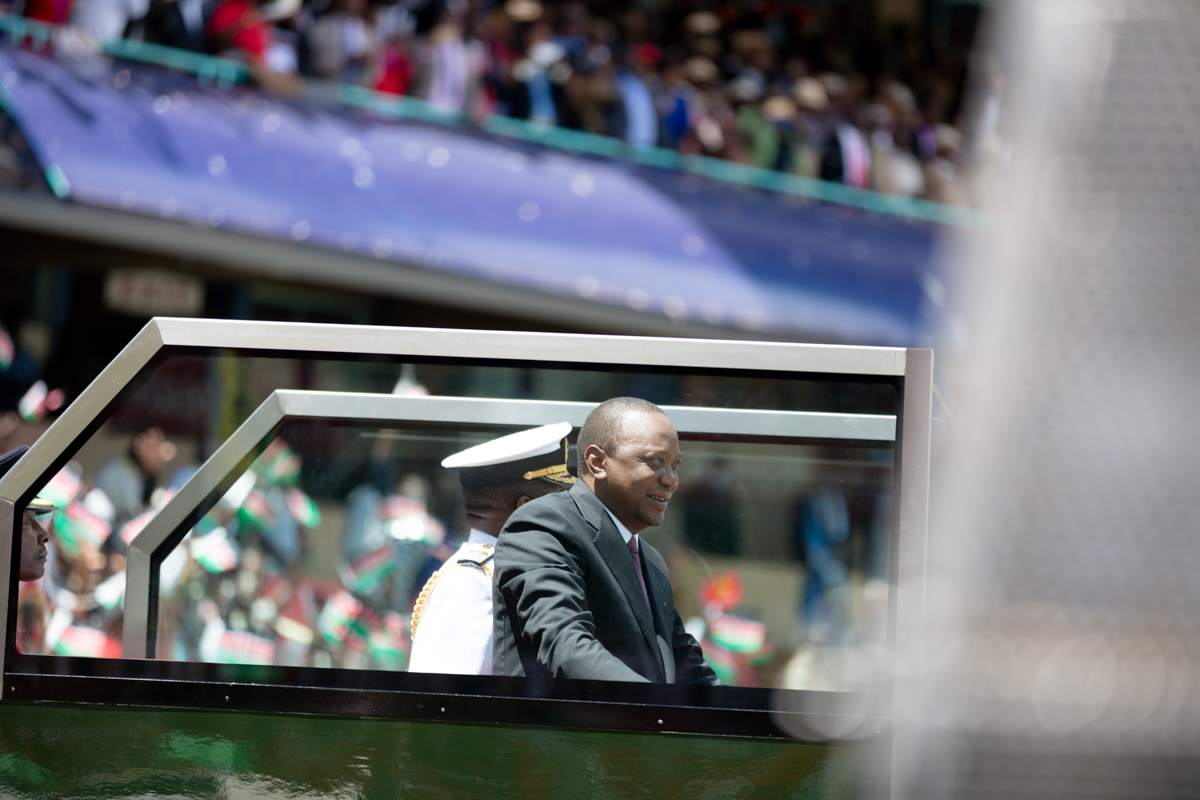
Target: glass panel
[(777, 543)]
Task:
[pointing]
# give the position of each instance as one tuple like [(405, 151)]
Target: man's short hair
[(603, 426), (504, 497)]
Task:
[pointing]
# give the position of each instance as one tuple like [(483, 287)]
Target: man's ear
[(595, 459), (522, 500)]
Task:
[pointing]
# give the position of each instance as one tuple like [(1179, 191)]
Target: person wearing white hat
[(34, 537), (452, 618)]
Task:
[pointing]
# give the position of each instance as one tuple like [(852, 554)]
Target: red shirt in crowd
[(56, 12), (236, 24), (396, 75)]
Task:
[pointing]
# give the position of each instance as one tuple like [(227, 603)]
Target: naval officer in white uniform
[(452, 618)]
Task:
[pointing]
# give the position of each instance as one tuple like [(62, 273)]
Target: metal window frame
[(912, 367)]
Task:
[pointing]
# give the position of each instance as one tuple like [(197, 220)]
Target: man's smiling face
[(642, 472)]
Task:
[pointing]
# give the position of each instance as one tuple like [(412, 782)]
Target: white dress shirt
[(625, 534)]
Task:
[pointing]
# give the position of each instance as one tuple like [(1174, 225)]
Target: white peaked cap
[(514, 447), (535, 453)]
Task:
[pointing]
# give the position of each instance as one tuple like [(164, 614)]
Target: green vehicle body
[(55, 750)]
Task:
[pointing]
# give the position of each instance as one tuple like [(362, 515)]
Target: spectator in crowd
[(179, 23), (449, 67), (822, 533), (342, 42), (35, 554), (677, 103), (941, 171), (34, 539), (394, 68), (539, 93), (396, 526), (240, 29), (55, 12), (107, 19), (846, 157), (130, 479), (763, 144), (641, 120), (595, 96), (712, 130)]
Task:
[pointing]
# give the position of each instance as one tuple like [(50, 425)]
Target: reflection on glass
[(767, 584), (778, 549)]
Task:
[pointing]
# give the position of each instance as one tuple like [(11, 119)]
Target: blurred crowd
[(793, 87), (252, 583), (237, 589)]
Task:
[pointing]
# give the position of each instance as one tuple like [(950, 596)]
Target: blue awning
[(152, 142)]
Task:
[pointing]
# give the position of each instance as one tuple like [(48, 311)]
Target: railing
[(225, 72)]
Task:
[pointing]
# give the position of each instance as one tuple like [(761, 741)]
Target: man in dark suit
[(577, 594)]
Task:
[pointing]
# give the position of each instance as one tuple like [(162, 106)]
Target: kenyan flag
[(78, 527), (386, 643), (62, 488), (337, 615), (88, 642), (726, 663), (724, 591), (303, 508), (39, 401), (368, 572), (279, 464), (256, 512), (416, 527), (111, 592), (240, 647), (395, 507), (214, 551), (737, 634)]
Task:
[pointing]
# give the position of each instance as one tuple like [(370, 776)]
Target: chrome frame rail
[(911, 554)]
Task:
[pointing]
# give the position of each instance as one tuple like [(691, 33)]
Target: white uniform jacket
[(454, 630)]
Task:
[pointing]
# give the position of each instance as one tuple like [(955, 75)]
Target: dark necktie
[(637, 565)]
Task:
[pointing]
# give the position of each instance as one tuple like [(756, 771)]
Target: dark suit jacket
[(568, 603)]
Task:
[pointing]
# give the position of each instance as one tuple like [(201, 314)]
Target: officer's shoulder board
[(471, 555)]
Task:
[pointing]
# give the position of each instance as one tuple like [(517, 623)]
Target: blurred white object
[(74, 42), (278, 9), (1062, 653), (106, 19)]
